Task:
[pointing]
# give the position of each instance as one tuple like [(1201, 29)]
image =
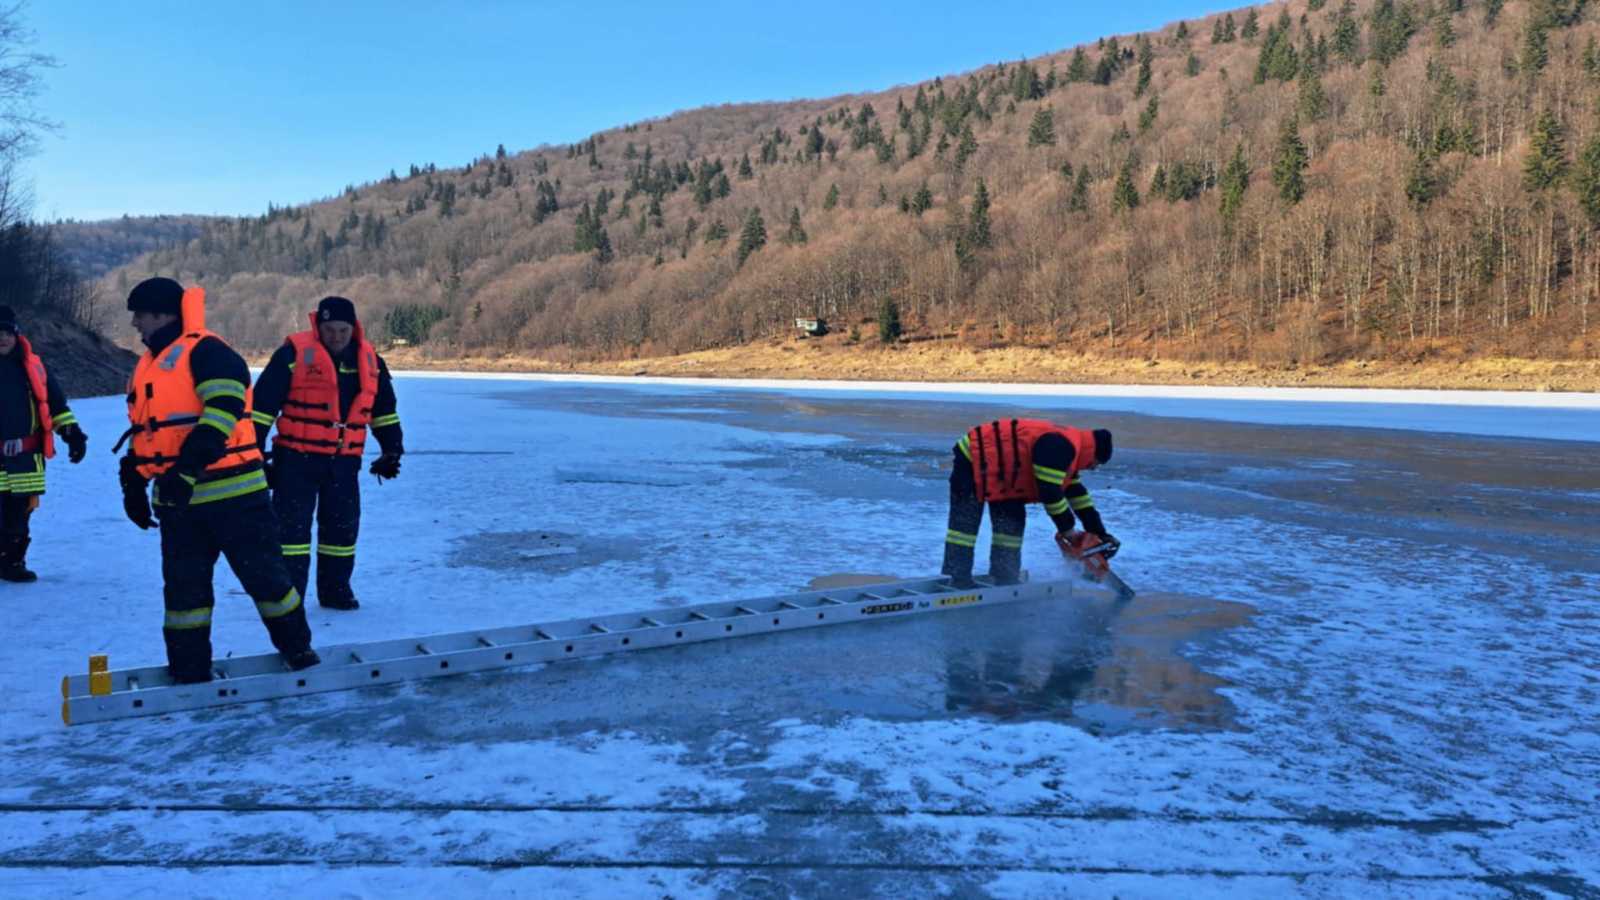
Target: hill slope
[(1305, 181)]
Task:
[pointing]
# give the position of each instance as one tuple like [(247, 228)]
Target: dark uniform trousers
[(1007, 519), (330, 486), (191, 540), (15, 510)]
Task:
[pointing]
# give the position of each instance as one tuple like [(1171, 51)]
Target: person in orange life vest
[(31, 405), (189, 409), (1010, 463), (325, 388)]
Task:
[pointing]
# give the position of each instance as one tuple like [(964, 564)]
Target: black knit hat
[(157, 295), (1102, 446), (336, 309), (8, 320)]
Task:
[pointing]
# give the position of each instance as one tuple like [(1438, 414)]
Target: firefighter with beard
[(326, 389), (189, 409), (31, 406)]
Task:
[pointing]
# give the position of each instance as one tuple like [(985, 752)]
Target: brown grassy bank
[(949, 361)]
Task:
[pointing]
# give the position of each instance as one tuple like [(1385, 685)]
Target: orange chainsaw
[(1094, 554)]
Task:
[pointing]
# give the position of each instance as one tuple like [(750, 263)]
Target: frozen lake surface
[(1362, 662)]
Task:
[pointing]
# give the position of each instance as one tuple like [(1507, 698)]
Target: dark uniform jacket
[(272, 388)]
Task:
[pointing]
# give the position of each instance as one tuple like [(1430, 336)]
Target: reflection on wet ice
[(1121, 668)]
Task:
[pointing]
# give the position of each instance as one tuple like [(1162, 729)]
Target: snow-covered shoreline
[(1515, 414), (1539, 399)]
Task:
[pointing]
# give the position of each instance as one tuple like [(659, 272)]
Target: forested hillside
[(94, 248), (1303, 181)]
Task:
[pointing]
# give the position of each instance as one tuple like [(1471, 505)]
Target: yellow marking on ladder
[(66, 712), (99, 675)]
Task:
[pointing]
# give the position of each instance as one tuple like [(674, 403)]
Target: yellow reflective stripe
[(390, 419), (960, 538), (184, 619), (219, 387), (1084, 502), (962, 445), (66, 418), (228, 488), (221, 421), (281, 608), (296, 549), (1056, 508), (1074, 481), (261, 418), (1009, 541), (1048, 475), (336, 549)]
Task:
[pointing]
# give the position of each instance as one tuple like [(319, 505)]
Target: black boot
[(349, 602), (304, 659), (13, 553)]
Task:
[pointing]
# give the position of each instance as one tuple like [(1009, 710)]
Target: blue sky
[(222, 107)]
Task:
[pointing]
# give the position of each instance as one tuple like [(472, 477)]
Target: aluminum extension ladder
[(104, 694)]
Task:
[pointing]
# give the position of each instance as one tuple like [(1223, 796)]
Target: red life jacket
[(1002, 456), (163, 406), (309, 422), (39, 385)]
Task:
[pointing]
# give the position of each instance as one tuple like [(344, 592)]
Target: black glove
[(1111, 544), (77, 442), (135, 503), (173, 488), (386, 466), (269, 469)]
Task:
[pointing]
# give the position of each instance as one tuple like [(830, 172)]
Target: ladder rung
[(264, 676)]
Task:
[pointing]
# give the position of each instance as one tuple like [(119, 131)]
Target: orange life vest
[(1002, 456), (163, 406), (39, 384), (309, 422)]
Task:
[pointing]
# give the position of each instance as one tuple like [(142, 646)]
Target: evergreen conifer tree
[(1422, 181), (1233, 182), (888, 321), (1124, 196), (1546, 162), (1079, 201), (1586, 180), (978, 233), (967, 147), (1078, 69), (1289, 163), (797, 232), (753, 236), (1042, 131)]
